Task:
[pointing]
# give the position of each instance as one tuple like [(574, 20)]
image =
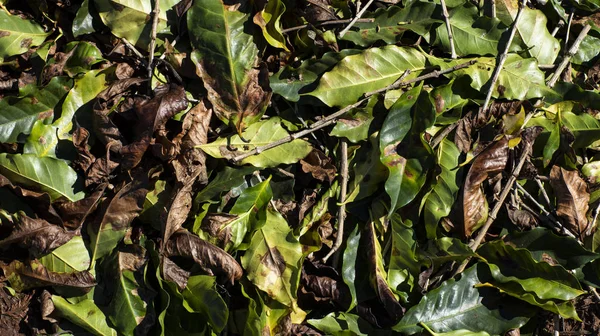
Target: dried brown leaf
[(36, 235), (13, 310), (40, 202), (572, 198), (25, 276), (319, 166), (211, 259), (462, 138), (75, 213), (524, 219), (489, 162), (172, 272), (154, 113)]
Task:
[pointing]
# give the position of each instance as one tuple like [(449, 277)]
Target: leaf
[(36, 235), (349, 264), (18, 117), (543, 243), (45, 174), (224, 180), (268, 20), (390, 24), (201, 296), (508, 264), (274, 259), (584, 127), (127, 308), (259, 134), (340, 323), (367, 170), (211, 259), (128, 19), (474, 204), (84, 314), (368, 71), (404, 266), (85, 22), (17, 34), (572, 198), (68, 258), (225, 58), (395, 127), (452, 306), (440, 200), (25, 276), (115, 216), (289, 81)]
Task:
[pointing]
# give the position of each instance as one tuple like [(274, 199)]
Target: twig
[(134, 50), (493, 4), (503, 57), (362, 11), (440, 136), (594, 221), (569, 22), (449, 29), (557, 28), (546, 213), (155, 14), (492, 216), (561, 67), (330, 119), (341, 216), (544, 193), (325, 23), (557, 325)]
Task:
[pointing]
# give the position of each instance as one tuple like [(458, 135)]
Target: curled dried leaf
[(319, 166), (25, 276), (572, 198), (36, 235), (212, 260)]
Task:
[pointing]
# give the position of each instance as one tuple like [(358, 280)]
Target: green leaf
[(404, 266), (269, 21), (541, 243), (368, 171), (589, 47), (85, 22), (368, 71), (84, 314), (225, 57), (201, 296), (390, 24), (18, 117), (443, 250), (340, 323), (274, 259), (396, 126), (355, 124), (45, 174), (17, 35), (71, 257), (317, 211), (584, 127), (440, 200), (288, 82), (225, 180), (509, 264), (453, 305), (129, 19), (349, 264), (260, 134)]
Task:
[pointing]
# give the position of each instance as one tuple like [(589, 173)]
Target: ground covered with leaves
[(282, 167)]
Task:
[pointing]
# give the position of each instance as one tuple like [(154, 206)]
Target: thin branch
[(440, 136), (561, 67), (503, 57), (341, 216), (493, 4), (155, 13), (449, 29), (133, 49), (324, 23), (544, 193), (330, 119), (358, 16), (557, 28), (569, 22)]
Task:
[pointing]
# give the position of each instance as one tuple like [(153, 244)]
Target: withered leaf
[(462, 138), (572, 198), (25, 276), (319, 166), (490, 161), (40, 202), (524, 219), (80, 140), (126, 205), (212, 260), (172, 272), (75, 213), (37, 235), (325, 288), (13, 310), (154, 113)]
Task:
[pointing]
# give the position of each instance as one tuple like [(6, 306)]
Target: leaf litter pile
[(281, 167)]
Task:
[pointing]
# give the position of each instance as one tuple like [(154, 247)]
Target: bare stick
[(557, 28), (492, 216), (341, 216), (155, 13), (362, 11), (493, 4), (330, 119), (325, 23), (544, 193), (569, 22), (449, 29), (561, 67), (503, 57), (134, 50), (440, 136)]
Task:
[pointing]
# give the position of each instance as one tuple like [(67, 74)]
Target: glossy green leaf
[(452, 306), (367, 171), (269, 20), (71, 257), (355, 124), (443, 250), (390, 23), (260, 134), (18, 117), (349, 264), (84, 314), (274, 259), (85, 22), (404, 266), (225, 58), (440, 200), (129, 19), (46, 174), (368, 71), (584, 127), (201, 296), (17, 34), (341, 323), (223, 181)]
